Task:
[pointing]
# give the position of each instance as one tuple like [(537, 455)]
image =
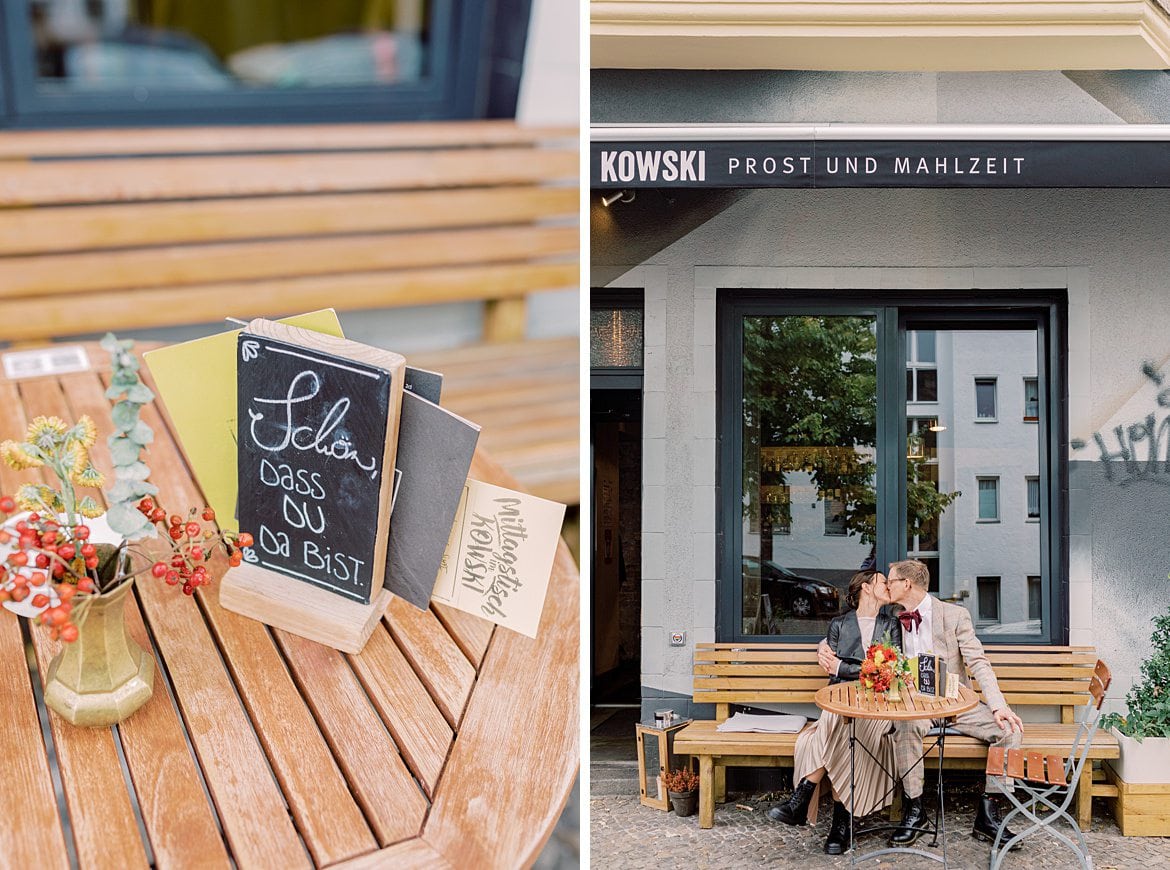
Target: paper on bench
[(788, 723)]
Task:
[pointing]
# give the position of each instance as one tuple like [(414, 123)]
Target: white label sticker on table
[(56, 360)]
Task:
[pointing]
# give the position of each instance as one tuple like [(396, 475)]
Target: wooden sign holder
[(297, 606)]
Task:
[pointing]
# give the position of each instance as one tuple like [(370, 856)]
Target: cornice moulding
[(913, 35)]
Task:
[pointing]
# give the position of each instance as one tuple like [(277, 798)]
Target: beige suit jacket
[(954, 639)]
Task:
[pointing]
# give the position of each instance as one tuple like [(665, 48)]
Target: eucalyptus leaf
[(128, 521), (124, 451), (124, 415), (134, 471), (142, 433), (130, 490), (140, 393)]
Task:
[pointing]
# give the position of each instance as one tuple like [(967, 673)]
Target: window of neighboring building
[(988, 488), (988, 590), (1031, 400), (921, 367), (1033, 484), (835, 517), (985, 400), (1035, 598), (70, 62)]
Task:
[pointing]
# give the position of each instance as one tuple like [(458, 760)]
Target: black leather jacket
[(845, 640)]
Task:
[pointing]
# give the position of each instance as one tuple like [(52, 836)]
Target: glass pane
[(988, 599), (927, 385), (615, 338), (1034, 598), (1033, 497), (926, 346), (961, 480), (985, 399), (988, 499), (1031, 399), (217, 45), (654, 763), (809, 428)]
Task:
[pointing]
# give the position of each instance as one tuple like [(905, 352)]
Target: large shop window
[(834, 458), (78, 61)]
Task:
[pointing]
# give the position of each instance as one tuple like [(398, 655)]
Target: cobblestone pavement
[(625, 834)]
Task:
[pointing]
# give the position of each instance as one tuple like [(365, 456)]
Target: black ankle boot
[(838, 840), (794, 811), (988, 822), (913, 822)]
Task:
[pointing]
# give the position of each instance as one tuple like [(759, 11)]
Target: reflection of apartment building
[(973, 417)]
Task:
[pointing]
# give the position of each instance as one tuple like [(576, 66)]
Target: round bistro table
[(850, 702)]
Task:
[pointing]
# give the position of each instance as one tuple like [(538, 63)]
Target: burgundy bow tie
[(910, 618)]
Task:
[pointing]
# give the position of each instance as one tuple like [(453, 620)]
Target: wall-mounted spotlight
[(620, 196)]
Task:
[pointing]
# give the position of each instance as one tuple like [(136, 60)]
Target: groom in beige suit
[(931, 626)]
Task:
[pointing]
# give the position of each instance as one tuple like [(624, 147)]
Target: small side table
[(655, 757)]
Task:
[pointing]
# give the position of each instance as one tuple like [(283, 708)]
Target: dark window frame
[(998, 581), (896, 312), (987, 381), (455, 84)]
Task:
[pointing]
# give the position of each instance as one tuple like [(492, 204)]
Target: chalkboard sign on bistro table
[(317, 436)]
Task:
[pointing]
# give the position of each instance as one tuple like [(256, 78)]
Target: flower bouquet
[(885, 669), (68, 563)]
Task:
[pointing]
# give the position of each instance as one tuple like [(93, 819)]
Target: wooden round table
[(851, 702)]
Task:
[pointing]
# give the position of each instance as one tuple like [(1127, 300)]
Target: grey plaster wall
[(922, 239), (782, 96)]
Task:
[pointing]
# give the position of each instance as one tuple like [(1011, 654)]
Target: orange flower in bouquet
[(884, 663)]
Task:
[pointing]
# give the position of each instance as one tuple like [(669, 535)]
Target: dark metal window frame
[(454, 85), (895, 313), (613, 378)]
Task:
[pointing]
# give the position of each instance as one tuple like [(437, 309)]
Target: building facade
[(971, 373)]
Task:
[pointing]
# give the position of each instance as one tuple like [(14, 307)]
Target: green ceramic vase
[(103, 676)]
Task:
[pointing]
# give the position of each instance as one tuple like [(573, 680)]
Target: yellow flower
[(90, 476), (35, 496), (46, 431), (878, 657), (78, 458), (90, 508), (15, 456), (86, 431)]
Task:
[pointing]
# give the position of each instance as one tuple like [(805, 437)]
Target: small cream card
[(500, 555)]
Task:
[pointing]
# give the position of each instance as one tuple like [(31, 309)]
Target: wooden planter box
[(1142, 809)]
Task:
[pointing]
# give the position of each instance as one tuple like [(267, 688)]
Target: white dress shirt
[(920, 641)]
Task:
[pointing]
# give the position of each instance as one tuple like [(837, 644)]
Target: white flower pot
[(1146, 761)]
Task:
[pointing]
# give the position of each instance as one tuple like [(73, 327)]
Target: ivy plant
[(128, 394), (1148, 701)]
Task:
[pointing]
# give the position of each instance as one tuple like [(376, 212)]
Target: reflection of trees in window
[(809, 405)]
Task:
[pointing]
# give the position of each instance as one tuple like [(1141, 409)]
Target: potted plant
[(683, 787), (68, 564), (1143, 732)]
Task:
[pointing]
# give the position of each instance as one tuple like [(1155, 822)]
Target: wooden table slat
[(31, 835), (436, 658), (372, 764), (416, 854), (419, 729), (471, 633)]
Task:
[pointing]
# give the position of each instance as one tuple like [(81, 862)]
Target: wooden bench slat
[(419, 729), (27, 319), (31, 835), (253, 261), (77, 228), (15, 144), (80, 181), (995, 761), (1034, 761), (1056, 770), (373, 766), (435, 657), (1015, 763)]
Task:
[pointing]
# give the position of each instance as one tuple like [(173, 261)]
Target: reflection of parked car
[(800, 596)]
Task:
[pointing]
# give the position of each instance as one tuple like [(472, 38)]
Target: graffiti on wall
[(1140, 450)]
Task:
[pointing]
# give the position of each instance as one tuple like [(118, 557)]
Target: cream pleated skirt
[(826, 745)]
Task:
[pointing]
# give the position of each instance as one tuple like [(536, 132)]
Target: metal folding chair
[(1048, 782)]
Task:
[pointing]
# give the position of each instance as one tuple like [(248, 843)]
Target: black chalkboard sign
[(312, 438), (932, 675)]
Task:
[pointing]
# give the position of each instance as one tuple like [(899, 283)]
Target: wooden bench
[(749, 674), (137, 229)]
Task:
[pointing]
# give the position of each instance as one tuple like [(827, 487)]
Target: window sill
[(986, 419), (1031, 419), (1031, 519), (987, 521)]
